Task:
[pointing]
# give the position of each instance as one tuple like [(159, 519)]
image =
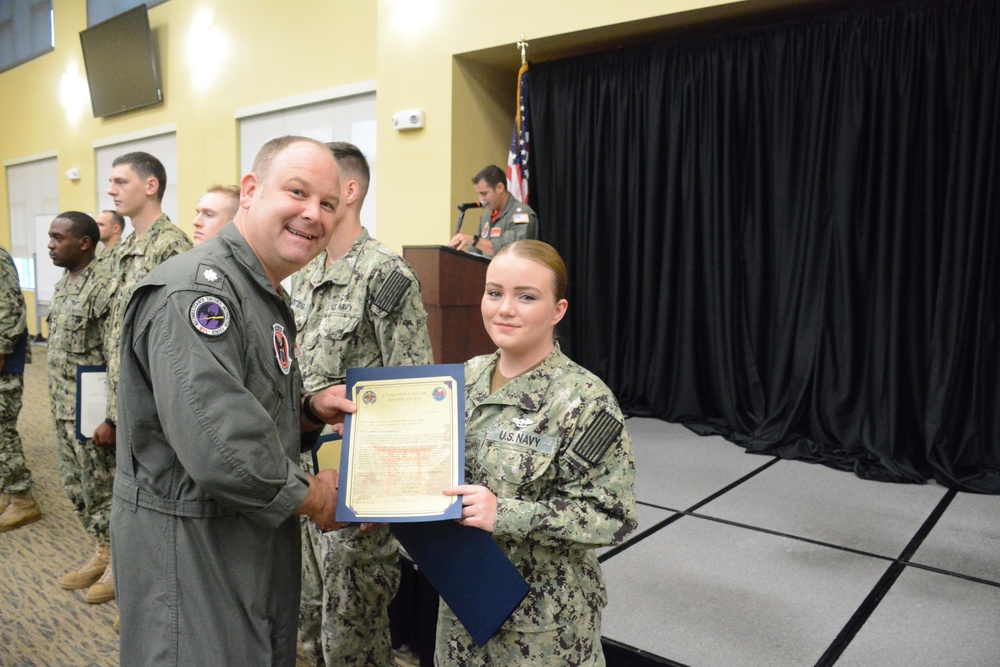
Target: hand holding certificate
[(404, 445)]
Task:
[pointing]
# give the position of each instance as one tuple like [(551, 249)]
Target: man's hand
[(320, 504), (330, 405), (479, 506), (460, 240), (104, 435)]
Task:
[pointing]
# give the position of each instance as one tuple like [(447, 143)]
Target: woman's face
[(519, 306)]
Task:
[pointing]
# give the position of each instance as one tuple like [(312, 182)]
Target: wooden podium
[(451, 284)]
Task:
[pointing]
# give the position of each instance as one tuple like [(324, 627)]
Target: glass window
[(25, 31), (102, 10)]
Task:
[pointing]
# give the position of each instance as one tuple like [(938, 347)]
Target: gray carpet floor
[(746, 560)]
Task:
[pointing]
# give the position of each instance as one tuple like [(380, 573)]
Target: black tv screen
[(121, 64)]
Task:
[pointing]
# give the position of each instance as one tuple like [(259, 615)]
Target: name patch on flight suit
[(527, 440), (390, 294), (594, 443), (494, 232), (210, 315)]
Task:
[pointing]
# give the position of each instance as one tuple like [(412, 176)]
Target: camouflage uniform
[(552, 446), (516, 221), (133, 259), (363, 311), (77, 319), (15, 477)]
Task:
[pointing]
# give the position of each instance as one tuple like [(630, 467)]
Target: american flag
[(517, 159)]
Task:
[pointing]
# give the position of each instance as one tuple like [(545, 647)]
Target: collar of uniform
[(339, 273), (508, 205), (520, 390), (243, 253), (139, 246)]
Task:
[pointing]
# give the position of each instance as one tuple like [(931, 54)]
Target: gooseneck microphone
[(465, 207)]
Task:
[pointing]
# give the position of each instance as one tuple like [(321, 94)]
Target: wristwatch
[(475, 240)]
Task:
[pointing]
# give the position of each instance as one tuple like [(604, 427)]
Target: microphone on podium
[(465, 207)]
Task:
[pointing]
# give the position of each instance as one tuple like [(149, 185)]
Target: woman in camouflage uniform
[(549, 470)]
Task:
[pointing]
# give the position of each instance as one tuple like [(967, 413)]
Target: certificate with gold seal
[(404, 445)]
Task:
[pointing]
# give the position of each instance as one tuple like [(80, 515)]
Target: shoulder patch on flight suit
[(594, 443), (390, 294), (520, 218), (210, 315), (210, 276)]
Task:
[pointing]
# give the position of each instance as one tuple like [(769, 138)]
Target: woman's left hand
[(479, 506)]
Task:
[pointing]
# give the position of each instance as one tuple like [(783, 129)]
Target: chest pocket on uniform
[(516, 457), (76, 338), (334, 326)]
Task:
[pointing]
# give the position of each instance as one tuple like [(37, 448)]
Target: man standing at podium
[(357, 305), (505, 220)]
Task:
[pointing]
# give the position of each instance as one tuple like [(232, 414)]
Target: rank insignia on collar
[(210, 315), (281, 349)]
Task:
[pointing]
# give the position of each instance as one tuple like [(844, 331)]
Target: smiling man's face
[(289, 210)]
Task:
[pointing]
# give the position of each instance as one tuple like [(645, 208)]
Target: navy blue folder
[(13, 363), (468, 570)]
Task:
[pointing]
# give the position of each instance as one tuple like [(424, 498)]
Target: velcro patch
[(390, 294), (520, 218), (594, 443), (210, 315)]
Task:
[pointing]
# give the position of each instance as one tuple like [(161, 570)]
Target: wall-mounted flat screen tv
[(121, 63)]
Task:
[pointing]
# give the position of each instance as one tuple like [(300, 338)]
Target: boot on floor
[(87, 574), (21, 511), (104, 589)]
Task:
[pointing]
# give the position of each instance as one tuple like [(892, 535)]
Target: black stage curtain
[(789, 235)]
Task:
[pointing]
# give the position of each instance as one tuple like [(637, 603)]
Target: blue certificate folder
[(468, 570), (452, 387)]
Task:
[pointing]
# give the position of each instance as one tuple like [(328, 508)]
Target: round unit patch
[(210, 316)]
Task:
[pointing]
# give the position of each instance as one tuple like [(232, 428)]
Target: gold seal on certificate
[(404, 445)]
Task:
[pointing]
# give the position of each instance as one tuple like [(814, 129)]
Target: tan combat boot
[(88, 573), (104, 589), (21, 511)]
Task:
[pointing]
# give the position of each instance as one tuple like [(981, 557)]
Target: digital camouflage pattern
[(15, 477), (132, 261), (363, 311), (552, 446), (77, 323)]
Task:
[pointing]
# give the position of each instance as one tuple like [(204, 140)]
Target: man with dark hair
[(208, 489), (357, 305), (112, 227), (215, 208), (505, 219), (77, 320), (137, 183), (17, 505)]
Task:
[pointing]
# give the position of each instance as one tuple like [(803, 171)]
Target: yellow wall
[(426, 54), (275, 51), (279, 50)]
